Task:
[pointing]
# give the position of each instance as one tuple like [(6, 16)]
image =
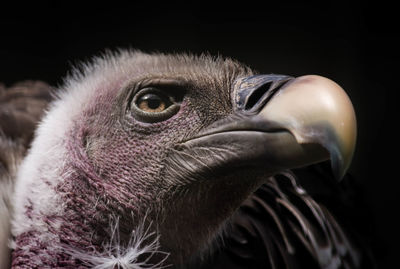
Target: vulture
[(152, 160)]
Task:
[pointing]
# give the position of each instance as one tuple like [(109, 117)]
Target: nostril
[(261, 96), (257, 95), (252, 93)]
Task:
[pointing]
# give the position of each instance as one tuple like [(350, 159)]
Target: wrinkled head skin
[(105, 160)]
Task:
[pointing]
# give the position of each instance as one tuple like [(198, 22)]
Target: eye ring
[(152, 105)]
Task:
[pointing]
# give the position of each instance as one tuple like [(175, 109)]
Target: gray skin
[(171, 166)]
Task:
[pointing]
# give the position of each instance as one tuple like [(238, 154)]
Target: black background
[(353, 43)]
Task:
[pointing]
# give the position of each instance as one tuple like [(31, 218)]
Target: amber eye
[(154, 103)]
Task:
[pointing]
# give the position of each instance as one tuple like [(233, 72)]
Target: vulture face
[(176, 142)]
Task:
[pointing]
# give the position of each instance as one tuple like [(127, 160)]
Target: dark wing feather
[(282, 226), (21, 107)]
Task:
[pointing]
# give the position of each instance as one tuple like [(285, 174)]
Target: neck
[(71, 247), (55, 208), (69, 223), (51, 220)]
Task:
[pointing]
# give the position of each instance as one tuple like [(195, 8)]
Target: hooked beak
[(315, 110), (280, 123)]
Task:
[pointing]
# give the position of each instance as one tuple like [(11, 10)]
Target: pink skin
[(91, 196), (115, 165)]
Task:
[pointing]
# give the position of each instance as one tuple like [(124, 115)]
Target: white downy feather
[(142, 242)]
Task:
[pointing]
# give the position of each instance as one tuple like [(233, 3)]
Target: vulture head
[(145, 159)]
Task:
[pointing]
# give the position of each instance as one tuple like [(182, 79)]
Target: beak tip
[(339, 169), (340, 158)]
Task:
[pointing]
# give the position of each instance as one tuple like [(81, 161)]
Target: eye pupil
[(153, 101)]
